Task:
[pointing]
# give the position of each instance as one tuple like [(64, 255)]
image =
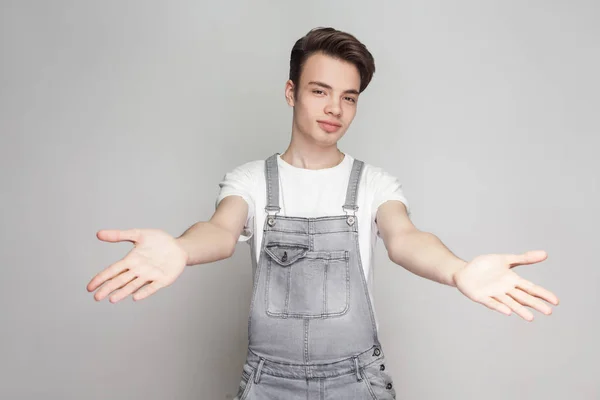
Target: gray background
[(121, 114)]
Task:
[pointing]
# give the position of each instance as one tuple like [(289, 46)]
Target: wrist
[(181, 243), (457, 266)]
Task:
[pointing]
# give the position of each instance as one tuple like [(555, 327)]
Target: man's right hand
[(155, 262)]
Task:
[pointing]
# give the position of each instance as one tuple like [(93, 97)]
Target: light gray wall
[(120, 114)]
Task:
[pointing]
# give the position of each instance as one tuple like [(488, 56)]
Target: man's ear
[(289, 93)]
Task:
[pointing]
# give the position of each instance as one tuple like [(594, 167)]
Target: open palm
[(490, 280), (154, 262)]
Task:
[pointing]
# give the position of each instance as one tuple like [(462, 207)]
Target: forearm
[(205, 242), (424, 254)]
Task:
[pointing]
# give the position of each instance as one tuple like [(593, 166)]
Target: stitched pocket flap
[(285, 254)]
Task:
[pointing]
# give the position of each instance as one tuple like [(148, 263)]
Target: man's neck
[(319, 158)]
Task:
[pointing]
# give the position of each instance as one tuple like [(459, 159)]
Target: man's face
[(326, 99)]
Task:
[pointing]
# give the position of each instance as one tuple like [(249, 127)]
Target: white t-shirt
[(313, 193)]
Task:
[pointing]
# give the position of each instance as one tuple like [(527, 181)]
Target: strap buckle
[(350, 219), (271, 217)]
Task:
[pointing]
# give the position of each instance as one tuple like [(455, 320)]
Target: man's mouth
[(329, 126)]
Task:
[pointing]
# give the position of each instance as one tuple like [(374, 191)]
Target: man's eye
[(317, 91), (351, 99)]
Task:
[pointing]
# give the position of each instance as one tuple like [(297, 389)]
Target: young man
[(312, 216)]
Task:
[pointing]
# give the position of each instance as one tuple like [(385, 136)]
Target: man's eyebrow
[(326, 86)]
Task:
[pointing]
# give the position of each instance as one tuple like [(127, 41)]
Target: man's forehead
[(331, 72)]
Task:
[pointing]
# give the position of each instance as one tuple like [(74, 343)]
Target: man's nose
[(334, 108)]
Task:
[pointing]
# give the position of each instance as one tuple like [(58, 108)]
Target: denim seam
[(248, 386), (314, 233), (285, 244), (288, 289), (312, 219), (255, 285), (306, 345), (368, 384), (359, 355), (322, 388), (324, 311), (364, 284)]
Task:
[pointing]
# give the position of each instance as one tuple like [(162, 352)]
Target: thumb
[(115, 235), (530, 257)]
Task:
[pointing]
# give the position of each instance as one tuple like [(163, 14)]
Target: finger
[(128, 289), (537, 291), (530, 257), (109, 273), (518, 308), (114, 284), (146, 291), (495, 305), (528, 300), (115, 235)]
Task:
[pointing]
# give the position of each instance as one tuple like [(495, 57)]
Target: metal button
[(377, 352), (388, 386), (350, 220), (284, 258), (271, 221), (382, 367)]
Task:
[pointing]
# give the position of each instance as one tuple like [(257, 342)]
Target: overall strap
[(352, 192), (272, 180)]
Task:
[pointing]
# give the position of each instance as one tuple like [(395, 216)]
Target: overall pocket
[(306, 284), (245, 383), (378, 381)]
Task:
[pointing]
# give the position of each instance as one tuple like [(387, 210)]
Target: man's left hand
[(490, 280)]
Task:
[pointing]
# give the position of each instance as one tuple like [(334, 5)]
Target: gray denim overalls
[(311, 328)]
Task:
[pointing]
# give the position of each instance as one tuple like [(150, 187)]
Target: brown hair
[(336, 44)]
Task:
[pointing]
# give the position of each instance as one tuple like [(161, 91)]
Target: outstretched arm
[(487, 279), (421, 253)]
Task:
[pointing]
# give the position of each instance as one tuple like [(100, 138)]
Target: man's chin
[(328, 138), (327, 142)]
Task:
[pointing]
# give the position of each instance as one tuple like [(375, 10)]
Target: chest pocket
[(306, 284)]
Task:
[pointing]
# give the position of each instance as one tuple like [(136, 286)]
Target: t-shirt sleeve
[(386, 187), (240, 182)]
